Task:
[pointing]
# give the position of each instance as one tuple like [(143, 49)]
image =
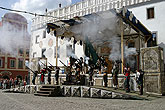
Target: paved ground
[(17, 101)]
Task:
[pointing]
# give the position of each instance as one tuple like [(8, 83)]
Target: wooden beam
[(122, 48), (56, 51)]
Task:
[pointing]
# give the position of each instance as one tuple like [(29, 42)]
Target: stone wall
[(152, 63)]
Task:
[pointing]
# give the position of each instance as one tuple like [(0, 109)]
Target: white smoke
[(95, 27), (71, 53), (12, 38), (101, 28), (129, 51), (115, 53)]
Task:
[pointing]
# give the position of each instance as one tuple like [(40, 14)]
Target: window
[(12, 63), (150, 13), (131, 44), (43, 53), (1, 62), (44, 34), (20, 63), (27, 52), (37, 39), (154, 38), (21, 51)]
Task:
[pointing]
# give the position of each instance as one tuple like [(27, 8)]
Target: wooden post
[(56, 50), (139, 67), (122, 48)]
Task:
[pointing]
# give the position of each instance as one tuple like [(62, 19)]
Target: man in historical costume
[(68, 74), (90, 72), (49, 69), (115, 72), (77, 75), (43, 72), (72, 61), (127, 79), (98, 65), (140, 81), (78, 70), (57, 74), (137, 75), (34, 77), (105, 76), (81, 63)]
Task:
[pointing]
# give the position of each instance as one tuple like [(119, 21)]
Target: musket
[(30, 69), (62, 63), (51, 65), (43, 63), (47, 66)]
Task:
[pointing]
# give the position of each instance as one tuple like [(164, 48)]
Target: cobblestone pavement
[(18, 101)]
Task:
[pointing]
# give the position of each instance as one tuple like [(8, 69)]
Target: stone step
[(41, 94), (50, 86), (47, 89), (44, 92)]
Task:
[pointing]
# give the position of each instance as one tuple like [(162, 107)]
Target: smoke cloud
[(103, 28), (12, 39)]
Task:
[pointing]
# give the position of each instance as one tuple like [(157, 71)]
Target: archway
[(6, 77), (19, 77), (5, 74)]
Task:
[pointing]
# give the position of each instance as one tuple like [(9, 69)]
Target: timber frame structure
[(138, 33)]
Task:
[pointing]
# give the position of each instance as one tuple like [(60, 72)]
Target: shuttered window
[(150, 13)]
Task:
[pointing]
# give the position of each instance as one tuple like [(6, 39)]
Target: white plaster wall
[(63, 51), (79, 51), (156, 24)]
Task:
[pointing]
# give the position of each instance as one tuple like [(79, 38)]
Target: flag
[(90, 51)]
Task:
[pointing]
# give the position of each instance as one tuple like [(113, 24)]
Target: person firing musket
[(48, 69), (57, 74), (68, 73), (34, 72)]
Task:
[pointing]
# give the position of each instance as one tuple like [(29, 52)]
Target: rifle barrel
[(51, 64), (43, 63), (30, 69), (62, 63)]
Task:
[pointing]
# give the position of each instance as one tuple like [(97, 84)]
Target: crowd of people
[(84, 66), (11, 83), (46, 70), (138, 77)]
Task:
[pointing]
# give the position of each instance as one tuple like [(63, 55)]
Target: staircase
[(49, 91)]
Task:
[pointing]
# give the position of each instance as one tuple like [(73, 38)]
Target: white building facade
[(44, 44), (151, 15)]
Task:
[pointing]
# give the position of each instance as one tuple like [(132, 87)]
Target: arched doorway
[(19, 77), (6, 77), (5, 74)]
